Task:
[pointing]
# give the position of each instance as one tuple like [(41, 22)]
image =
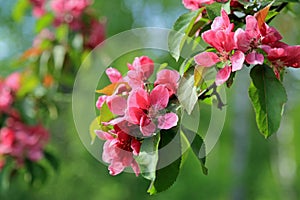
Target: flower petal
[(237, 60), (147, 129), (159, 97), (113, 74), (206, 59), (223, 75), (255, 58), (167, 121), (117, 104)]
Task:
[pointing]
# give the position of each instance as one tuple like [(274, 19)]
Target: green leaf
[(169, 149), (52, 160), (268, 97), (187, 93), (105, 116), (37, 173), (213, 10), (148, 157), (43, 22), (182, 28), (197, 146), (94, 126), (28, 83), (19, 10)]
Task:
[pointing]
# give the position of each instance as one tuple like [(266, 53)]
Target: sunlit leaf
[(94, 126), (262, 14), (32, 52), (182, 28), (109, 90), (148, 157), (19, 10), (187, 93), (165, 177), (268, 97)]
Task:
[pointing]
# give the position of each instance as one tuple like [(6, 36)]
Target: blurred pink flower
[(7, 138), (38, 7), (22, 141), (118, 150), (94, 33), (196, 4), (13, 81)]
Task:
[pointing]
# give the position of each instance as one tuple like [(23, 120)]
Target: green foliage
[(19, 10), (182, 30), (148, 157), (187, 93), (166, 176), (268, 97), (198, 147)]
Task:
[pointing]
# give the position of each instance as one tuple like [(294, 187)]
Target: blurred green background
[(242, 165)]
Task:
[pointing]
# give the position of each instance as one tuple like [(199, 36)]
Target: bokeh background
[(242, 165)]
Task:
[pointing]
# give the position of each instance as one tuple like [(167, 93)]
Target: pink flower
[(285, 56), (223, 75), (113, 74), (6, 98), (69, 12), (221, 38), (146, 110), (7, 138), (100, 101), (94, 34), (139, 72), (196, 4), (169, 79), (118, 150), (29, 141), (44, 35), (13, 81), (38, 7)]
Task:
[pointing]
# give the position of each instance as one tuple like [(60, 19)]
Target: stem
[(203, 95)]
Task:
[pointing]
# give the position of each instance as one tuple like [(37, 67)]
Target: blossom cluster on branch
[(17, 139), (138, 108)]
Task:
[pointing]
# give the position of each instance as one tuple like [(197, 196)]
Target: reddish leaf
[(31, 53), (262, 14)]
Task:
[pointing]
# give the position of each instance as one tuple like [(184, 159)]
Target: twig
[(203, 95)]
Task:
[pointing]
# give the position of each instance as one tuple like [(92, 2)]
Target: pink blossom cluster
[(17, 140), (69, 12), (75, 14), (38, 8), (252, 46), (21, 141), (139, 111), (8, 88)]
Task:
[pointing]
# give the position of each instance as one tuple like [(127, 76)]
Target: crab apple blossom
[(69, 12), (169, 79), (253, 38), (221, 38), (145, 109), (139, 71), (38, 7), (284, 55), (196, 4), (94, 33), (118, 150), (21, 141)]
